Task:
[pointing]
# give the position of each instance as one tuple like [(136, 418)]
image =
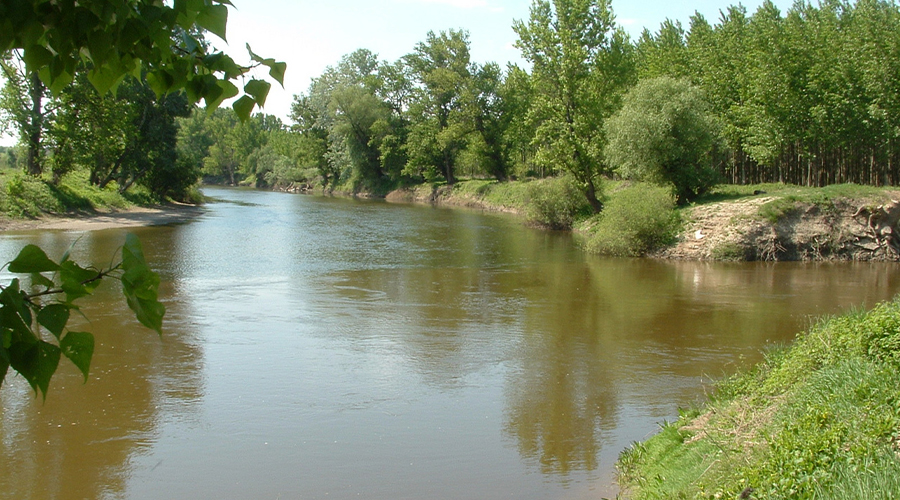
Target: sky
[(310, 35)]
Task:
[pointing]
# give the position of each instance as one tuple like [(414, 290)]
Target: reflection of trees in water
[(78, 444)]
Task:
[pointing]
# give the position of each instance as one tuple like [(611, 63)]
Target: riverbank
[(772, 222), (172, 213), (820, 419)]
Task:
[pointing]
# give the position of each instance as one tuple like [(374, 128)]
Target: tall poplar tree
[(582, 63)]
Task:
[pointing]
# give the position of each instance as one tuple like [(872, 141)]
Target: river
[(333, 348)]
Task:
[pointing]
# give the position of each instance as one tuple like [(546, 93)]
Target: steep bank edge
[(447, 196), (836, 230)]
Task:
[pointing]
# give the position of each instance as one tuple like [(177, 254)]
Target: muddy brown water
[(329, 348)]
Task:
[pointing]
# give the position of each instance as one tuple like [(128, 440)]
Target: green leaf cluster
[(34, 332), (117, 39)]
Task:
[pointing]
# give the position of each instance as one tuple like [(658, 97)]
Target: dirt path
[(134, 217)]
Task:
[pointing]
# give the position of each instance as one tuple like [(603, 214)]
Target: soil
[(837, 230), (133, 217), (834, 230)]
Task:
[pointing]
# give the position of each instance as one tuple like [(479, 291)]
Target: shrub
[(665, 133), (555, 203), (635, 221)]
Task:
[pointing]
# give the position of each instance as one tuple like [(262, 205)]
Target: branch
[(54, 291)]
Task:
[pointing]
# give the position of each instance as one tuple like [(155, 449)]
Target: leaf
[(259, 89), (15, 313), (140, 286), (276, 71), (36, 362), (243, 107), (229, 90), (36, 56), (32, 259), (38, 279), (79, 348), (4, 364), (77, 281), (54, 318), (214, 18)]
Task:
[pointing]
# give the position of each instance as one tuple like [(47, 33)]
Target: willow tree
[(581, 65)]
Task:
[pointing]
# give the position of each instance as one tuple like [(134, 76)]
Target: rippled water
[(329, 348)]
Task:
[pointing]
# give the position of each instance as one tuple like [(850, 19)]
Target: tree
[(439, 126), (665, 133), (34, 313), (22, 106), (115, 39), (581, 66)]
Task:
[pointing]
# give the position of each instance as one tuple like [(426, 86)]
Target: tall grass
[(820, 419)]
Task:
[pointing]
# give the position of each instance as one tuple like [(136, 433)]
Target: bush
[(555, 203), (635, 221), (665, 133)]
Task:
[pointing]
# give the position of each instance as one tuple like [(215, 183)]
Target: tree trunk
[(35, 127)]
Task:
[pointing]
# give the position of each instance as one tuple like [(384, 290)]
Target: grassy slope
[(23, 196), (820, 419)]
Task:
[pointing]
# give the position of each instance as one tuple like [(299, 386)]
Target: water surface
[(330, 348)]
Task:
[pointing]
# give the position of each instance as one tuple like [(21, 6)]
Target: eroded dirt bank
[(745, 229)]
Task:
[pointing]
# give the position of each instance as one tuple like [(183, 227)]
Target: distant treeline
[(810, 96)]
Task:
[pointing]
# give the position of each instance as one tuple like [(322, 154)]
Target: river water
[(331, 348)]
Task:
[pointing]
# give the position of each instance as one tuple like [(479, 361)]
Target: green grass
[(23, 196), (820, 419), (636, 220)]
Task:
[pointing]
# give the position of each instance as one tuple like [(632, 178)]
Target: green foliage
[(26, 196), (665, 133), (33, 318), (117, 39), (817, 420), (775, 210), (555, 203), (637, 220), (582, 63)]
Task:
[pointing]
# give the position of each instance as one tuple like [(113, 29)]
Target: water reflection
[(320, 347), (79, 442)]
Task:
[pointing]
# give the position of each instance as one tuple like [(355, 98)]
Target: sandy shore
[(133, 217)]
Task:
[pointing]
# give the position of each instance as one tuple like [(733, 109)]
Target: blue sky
[(311, 35)]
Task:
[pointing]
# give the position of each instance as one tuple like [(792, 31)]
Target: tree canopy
[(115, 39)]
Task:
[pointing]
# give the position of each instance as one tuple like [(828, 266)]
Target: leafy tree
[(314, 147), (34, 313), (581, 65), (491, 119), (115, 39), (516, 93), (128, 138), (22, 106), (665, 133), (440, 124)]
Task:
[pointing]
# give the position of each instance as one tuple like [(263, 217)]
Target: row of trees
[(128, 138), (810, 97)]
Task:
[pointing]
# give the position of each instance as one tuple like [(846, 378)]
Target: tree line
[(810, 96)]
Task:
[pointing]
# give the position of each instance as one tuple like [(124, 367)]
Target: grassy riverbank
[(820, 419), (26, 197), (758, 222)]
